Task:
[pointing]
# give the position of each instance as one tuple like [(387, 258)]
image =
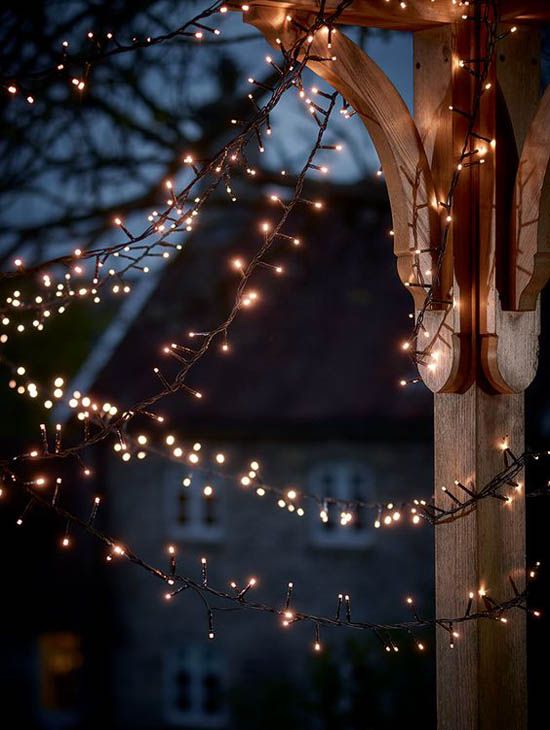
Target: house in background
[(310, 390)]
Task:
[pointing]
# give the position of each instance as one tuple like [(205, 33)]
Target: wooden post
[(483, 327), (482, 681)]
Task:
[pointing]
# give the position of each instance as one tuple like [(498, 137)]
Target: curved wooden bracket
[(509, 344), (531, 212), (469, 336), (413, 199), (394, 134)]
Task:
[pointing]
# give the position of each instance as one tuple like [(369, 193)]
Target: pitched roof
[(319, 352)]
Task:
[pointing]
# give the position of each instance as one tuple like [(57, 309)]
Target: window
[(343, 480), (193, 506), (60, 662), (194, 687)]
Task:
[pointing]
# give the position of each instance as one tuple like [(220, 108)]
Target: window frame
[(196, 528), (338, 536), (197, 659)]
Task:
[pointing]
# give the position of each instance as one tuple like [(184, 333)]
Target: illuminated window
[(194, 687), (60, 662), (193, 507), (346, 481)]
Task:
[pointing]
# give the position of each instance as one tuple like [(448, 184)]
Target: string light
[(479, 68), (295, 70), (164, 223), (294, 499), (493, 610)]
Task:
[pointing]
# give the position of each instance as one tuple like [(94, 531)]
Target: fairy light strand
[(388, 511), (293, 70), (489, 19), (423, 509), (492, 610), (104, 48), (289, 77)]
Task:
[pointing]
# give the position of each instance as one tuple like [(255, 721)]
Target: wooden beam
[(374, 13), (417, 15)]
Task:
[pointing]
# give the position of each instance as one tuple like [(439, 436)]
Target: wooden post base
[(482, 680)]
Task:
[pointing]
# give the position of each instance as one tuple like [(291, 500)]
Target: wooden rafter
[(417, 15)]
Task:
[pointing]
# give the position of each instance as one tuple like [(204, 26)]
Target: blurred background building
[(309, 388)]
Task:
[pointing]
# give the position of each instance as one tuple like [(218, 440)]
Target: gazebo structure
[(479, 241)]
